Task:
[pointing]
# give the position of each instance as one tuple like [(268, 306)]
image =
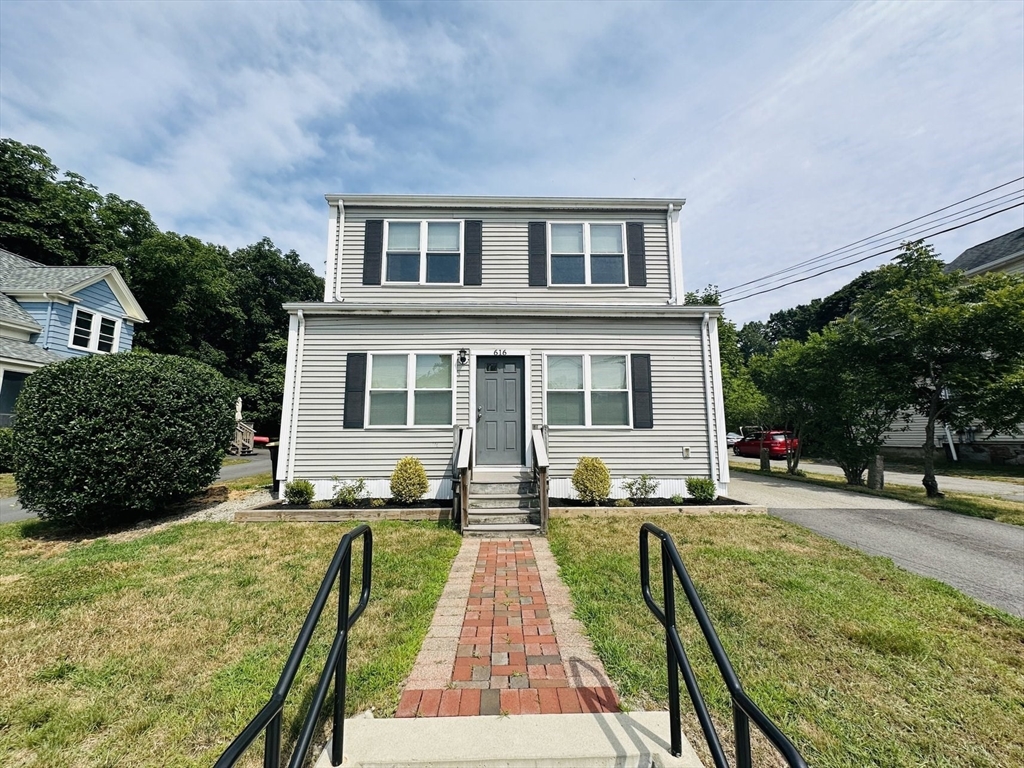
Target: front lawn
[(156, 649), (859, 662)]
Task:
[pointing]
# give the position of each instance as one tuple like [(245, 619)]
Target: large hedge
[(109, 439)]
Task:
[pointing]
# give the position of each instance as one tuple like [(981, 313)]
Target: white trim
[(332, 268), (514, 203), (675, 263), (527, 356), (705, 353), (19, 366), (94, 331), (719, 405), (588, 391), (484, 309), (588, 255), (285, 448), (410, 389), (424, 225)]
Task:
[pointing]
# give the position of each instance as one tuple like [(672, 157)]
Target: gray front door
[(499, 410)]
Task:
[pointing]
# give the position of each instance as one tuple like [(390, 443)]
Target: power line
[(869, 256), (916, 233), (878, 234)]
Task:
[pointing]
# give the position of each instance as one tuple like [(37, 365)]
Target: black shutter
[(373, 251), (538, 253), (637, 255), (473, 252), (355, 390), (643, 407)]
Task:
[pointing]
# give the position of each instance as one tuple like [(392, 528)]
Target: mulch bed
[(721, 501)]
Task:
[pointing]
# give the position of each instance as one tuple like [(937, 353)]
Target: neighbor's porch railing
[(269, 719), (540, 473), (743, 708), (242, 442)]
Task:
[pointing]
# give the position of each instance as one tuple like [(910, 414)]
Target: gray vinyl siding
[(914, 434), (505, 260), (324, 450)]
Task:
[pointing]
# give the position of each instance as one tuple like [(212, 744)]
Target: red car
[(777, 442)]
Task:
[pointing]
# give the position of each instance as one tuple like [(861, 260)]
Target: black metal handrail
[(743, 708), (269, 718)]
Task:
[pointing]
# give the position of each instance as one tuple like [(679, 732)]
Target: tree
[(752, 339), (744, 403), (961, 341)]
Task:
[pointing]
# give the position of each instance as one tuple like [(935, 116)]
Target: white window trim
[(410, 391), (587, 255), (94, 331), (588, 390), (423, 251)]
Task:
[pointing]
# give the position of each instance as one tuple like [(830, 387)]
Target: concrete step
[(503, 516), (503, 501), (620, 740), (501, 529), (501, 475), (527, 487)]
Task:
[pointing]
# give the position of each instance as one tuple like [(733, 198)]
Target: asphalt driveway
[(981, 558)]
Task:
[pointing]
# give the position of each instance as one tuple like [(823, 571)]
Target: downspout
[(705, 351), (293, 417), (49, 321), (673, 296), (338, 223)]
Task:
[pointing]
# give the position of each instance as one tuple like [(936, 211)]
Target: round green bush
[(300, 492), (109, 439), (591, 479), (409, 480), (702, 489)]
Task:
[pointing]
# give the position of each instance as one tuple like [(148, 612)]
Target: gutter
[(479, 309), (296, 386), (705, 351), (513, 203), (338, 227), (674, 280), (49, 321)]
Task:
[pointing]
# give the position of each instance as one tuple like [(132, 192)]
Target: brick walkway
[(503, 641)]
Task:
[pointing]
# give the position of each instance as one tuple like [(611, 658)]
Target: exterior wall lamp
[(463, 356)]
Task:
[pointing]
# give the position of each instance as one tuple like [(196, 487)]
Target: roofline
[(21, 325), (463, 309), (44, 294), (484, 201), (988, 266)]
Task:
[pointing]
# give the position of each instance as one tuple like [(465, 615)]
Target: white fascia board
[(34, 294), (507, 203), (16, 365), (505, 310), (19, 325)]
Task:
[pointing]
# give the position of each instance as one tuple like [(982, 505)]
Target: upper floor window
[(423, 252), (410, 390), (588, 254), (93, 332)]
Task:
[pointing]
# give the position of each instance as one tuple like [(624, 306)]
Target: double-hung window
[(93, 332), (588, 254), (410, 390), (588, 390), (424, 252)]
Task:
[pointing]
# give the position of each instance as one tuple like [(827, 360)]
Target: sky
[(790, 128)]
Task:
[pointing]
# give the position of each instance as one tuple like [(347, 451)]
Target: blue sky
[(790, 128)]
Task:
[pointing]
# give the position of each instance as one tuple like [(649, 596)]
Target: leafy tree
[(744, 403), (709, 296), (961, 342), (752, 339)]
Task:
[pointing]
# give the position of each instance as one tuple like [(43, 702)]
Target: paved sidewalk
[(503, 641)]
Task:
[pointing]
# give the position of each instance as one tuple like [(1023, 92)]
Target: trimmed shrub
[(677, 498), (702, 489), (6, 450), (110, 439), (321, 504), (299, 492), (348, 494), (623, 502), (376, 503), (591, 479), (409, 480), (641, 488)]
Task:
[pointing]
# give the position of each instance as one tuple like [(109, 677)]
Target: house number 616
[(499, 352)]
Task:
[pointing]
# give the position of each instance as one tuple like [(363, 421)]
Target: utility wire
[(916, 233), (869, 256), (878, 234)]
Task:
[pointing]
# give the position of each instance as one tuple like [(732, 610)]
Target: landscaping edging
[(689, 509), (277, 511)]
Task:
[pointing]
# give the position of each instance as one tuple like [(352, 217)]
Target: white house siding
[(324, 450), (505, 260)]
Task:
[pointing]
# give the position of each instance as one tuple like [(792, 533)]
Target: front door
[(499, 410)]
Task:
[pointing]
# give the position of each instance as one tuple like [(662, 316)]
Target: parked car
[(777, 442), (732, 438)]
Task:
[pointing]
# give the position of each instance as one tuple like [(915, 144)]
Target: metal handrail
[(269, 718), (743, 708)]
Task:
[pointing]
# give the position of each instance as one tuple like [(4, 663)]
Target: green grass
[(156, 649), (250, 483), (1001, 510), (1003, 473), (7, 485), (859, 662), (230, 461)]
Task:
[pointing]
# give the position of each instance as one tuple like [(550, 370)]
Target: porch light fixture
[(463, 356)]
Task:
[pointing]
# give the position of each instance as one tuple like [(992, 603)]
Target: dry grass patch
[(859, 662), (7, 485), (157, 650)]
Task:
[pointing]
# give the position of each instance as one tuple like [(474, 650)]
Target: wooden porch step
[(501, 530), (503, 516), (501, 475), (503, 501)]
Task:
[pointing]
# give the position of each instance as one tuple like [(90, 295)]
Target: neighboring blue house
[(52, 313)]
